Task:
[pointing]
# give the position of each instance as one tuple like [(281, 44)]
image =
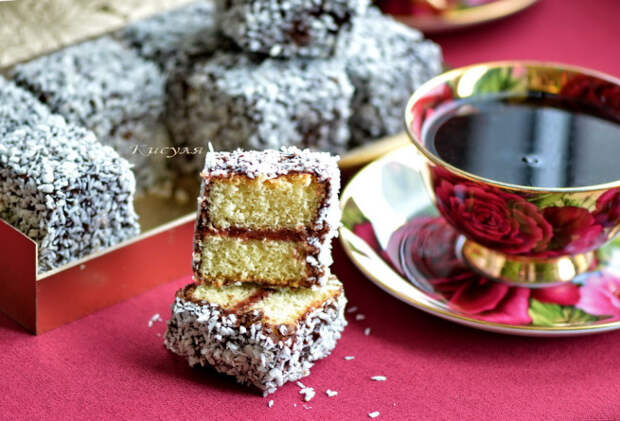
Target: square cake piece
[(174, 38), (19, 108), (387, 61), (288, 28), (264, 337), (66, 191), (267, 217), (110, 90), (237, 101)]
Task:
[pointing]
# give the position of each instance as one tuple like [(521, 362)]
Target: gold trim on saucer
[(460, 18)]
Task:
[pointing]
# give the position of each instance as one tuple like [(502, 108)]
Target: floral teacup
[(520, 234)]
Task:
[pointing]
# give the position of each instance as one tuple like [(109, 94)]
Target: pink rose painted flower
[(499, 220), (601, 295), (607, 211), (566, 294), (492, 301), (431, 250), (575, 230)]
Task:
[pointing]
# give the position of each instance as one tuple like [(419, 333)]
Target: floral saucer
[(393, 234), (435, 16)]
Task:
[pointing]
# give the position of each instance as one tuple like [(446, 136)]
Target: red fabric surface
[(112, 365)]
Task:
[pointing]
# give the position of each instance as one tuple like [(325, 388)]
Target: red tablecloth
[(112, 365)]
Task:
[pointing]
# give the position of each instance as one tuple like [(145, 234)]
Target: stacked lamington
[(261, 74), (264, 306)]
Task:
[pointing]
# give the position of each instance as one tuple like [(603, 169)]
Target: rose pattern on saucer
[(429, 245), (601, 295), (412, 7)]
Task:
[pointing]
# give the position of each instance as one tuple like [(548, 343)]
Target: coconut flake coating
[(175, 38), (110, 90), (206, 335), (386, 62), (238, 101), (66, 191), (289, 28), (19, 108)]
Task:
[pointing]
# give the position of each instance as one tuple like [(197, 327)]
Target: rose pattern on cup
[(517, 225), (521, 225), (514, 221)]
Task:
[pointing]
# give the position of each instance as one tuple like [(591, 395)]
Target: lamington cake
[(19, 108), (262, 336), (110, 90), (175, 38), (288, 28), (386, 62), (238, 101), (266, 217), (65, 190)]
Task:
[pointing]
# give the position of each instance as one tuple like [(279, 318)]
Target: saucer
[(393, 234), (464, 15)]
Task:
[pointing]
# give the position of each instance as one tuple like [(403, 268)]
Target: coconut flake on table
[(156, 318), (308, 393)]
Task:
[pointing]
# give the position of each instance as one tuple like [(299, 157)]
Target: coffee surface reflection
[(535, 142)]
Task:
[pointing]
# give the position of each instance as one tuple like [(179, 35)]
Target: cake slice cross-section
[(263, 336), (266, 217)]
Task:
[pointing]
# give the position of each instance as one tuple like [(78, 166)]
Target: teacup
[(521, 234)]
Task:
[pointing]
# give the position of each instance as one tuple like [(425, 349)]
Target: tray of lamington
[(107, 114)]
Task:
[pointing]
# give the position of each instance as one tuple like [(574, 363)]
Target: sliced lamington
[(387, 62), (264, 337), (238, 101), (66, 191), (18, 108), (289, 28), (110, 90), (175, 38), (267, 217)]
